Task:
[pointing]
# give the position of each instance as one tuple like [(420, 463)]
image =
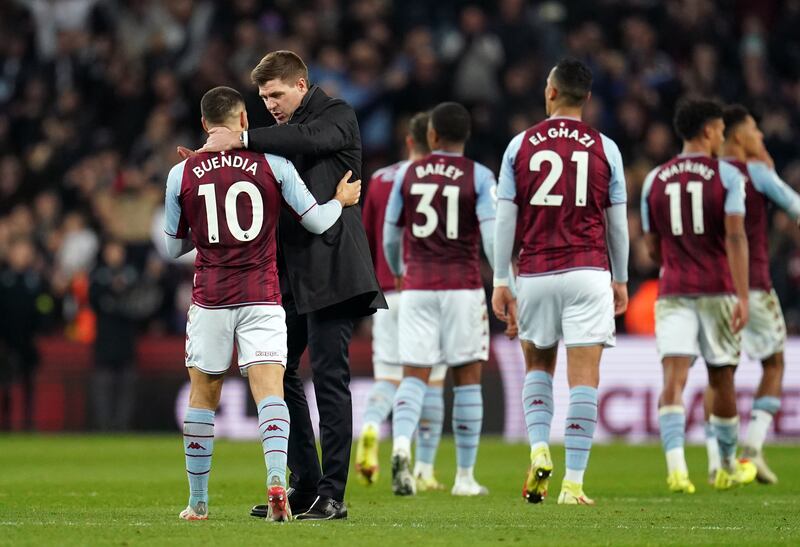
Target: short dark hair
[(283, 65), (219, 103), (573, 79), (451, 121), (418, 129), (734, 115), (692, 115)]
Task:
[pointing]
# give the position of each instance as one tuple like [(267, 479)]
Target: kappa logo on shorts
[(536, 402), (575, 427), (195, 446), (268, 354), (273, 427)]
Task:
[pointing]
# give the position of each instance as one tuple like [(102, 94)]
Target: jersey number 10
[(207, 192)]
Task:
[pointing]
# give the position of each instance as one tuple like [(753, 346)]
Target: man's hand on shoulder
[(185, 153), (221, 139), (348, 193)]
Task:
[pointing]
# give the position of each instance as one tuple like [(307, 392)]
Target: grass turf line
[(128, 490)]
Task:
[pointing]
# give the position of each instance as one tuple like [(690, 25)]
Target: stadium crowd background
[(95, 96)]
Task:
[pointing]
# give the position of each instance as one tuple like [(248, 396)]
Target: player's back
[(756, 225), (374, 214), (231, 202), (441, 226), (685, 206), (566, 174)]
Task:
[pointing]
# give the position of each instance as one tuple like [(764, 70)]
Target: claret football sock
[(537, 405), (764, 409), (430, 426), (406, 412), (579, 432), (672, 426), (379, 403), (727, 431), (198, 444), (273, 424), (467, 423)]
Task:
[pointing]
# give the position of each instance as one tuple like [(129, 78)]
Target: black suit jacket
[(333, 270)]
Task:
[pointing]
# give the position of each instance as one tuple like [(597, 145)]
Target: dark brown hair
[(418, 129), (282, 65), (692, 115), (219, 103), (733, 116), (573, 80), (451, 121)]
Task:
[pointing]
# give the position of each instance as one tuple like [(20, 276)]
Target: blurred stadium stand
[(95, 96)]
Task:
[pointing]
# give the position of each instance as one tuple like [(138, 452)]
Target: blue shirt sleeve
[(617, 190), (733, 181), (172, 205), (486, 192), (395, 206), (507, 185), (767, 181), (645, 208), (293, 188)]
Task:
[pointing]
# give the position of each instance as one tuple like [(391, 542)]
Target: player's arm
[(486, 208), (651, 238), (333, 131), (736, 241), (617, 238), (392, 231), (766, 180), (177, 236), (314, 217), (503, 301)]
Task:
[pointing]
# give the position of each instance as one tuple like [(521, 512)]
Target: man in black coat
[(326, 281)]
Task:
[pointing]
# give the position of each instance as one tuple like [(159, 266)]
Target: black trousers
[(327, 337)]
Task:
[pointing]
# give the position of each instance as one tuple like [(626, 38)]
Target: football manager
[(326, 280)]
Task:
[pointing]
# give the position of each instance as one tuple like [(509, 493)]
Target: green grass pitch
[(93, 490)]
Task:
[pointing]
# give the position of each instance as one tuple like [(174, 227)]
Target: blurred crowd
[(96, 94)]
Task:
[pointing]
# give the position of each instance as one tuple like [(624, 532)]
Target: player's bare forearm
[(736, 247), (653, 243)]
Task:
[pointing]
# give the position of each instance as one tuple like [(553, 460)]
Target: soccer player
[(387, 368), (693, 216), (226, 205), (765, 333), (562, 188), (441, 205)]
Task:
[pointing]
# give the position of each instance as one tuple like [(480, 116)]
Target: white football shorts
[(698, 326), (575, 306), (259, 333), (386, 362), (765, 332), (443, 326)]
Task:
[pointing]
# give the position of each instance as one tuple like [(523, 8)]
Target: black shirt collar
[(301, 110)]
